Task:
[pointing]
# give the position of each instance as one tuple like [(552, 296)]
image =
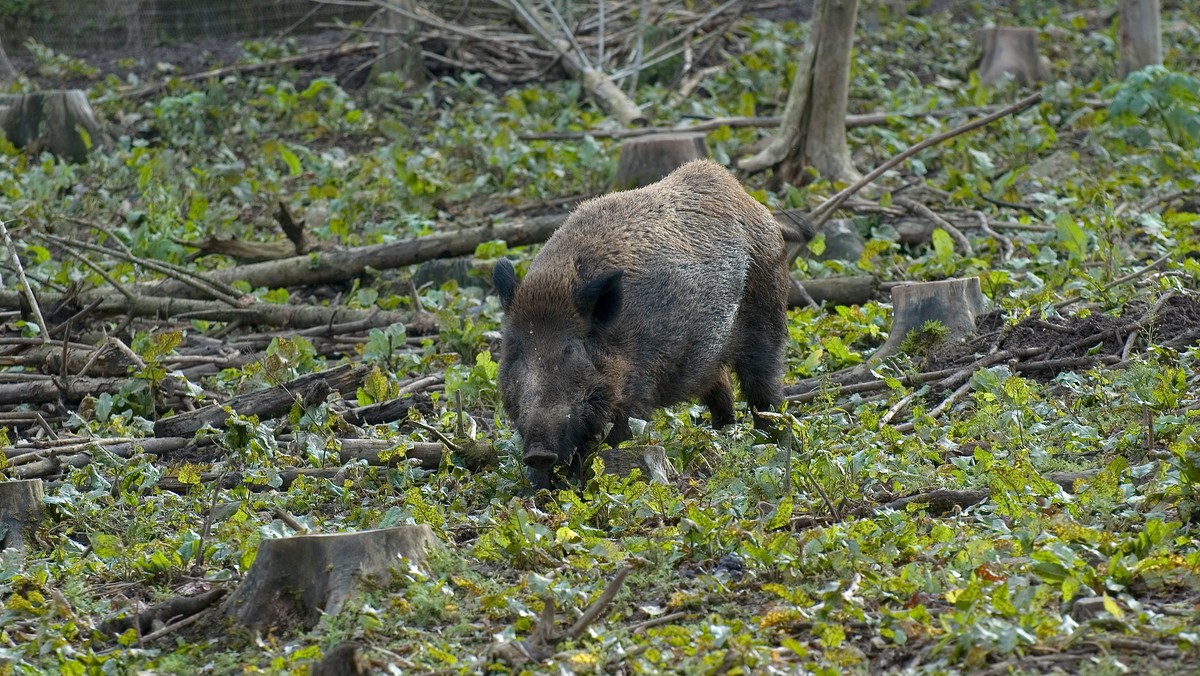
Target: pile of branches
[(623, 38)]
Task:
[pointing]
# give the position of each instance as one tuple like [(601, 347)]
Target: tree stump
[(294, 580), (647, 159), (399, 50), (651, 460), (20, 511), (1010, 51), (59, 122), (1140, 35), (953, 303)]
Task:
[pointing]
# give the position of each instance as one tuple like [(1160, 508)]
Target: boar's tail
[(796, 225)]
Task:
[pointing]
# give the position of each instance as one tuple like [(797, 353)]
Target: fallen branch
[(539, 645), (307, 390), (852, 122), (829, 206), (173, 306), (319, 54), (328, 267)]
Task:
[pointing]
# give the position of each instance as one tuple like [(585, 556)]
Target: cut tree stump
[(399, 49), (1010, 51), (651, 460), (647, 159), (1140, 35), (59, 122), (20, 511), (295, 580), (953, 303)]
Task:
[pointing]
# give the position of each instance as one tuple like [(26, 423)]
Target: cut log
[(1140, 35), (307, 389), (953, 303), (1010, 51), (647, 159), (294, 580), (651, 460), (20, 512), (834, 291), (59, 122)]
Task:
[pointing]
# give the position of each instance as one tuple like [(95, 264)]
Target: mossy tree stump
[(952, 303)]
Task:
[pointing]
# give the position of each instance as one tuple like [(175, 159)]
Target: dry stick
[(826, 209), (286, 517), (313, 55), (852, 122), (181, 272), (1006, 245), (658, 621), (921, 209), (593, 612), (25, 288), (1117, 282), (191, 279), (78, 255)]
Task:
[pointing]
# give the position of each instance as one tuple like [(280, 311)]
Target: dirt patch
[(1046, 347)]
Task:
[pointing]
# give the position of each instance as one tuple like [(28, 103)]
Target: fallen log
[(308, 389), (330, 267), (295, 580), (70, 389), (182, 306)]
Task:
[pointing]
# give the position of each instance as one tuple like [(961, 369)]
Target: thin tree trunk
[(1140, 35), (813, 130)]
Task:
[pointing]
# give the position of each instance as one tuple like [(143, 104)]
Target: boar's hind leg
[(719, 400), (757, 359)]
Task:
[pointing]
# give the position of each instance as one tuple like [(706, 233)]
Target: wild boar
[(640, 300)]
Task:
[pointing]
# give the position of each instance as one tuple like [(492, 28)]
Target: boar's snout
[(540, 458)]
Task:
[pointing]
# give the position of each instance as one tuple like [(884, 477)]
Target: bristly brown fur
[(640, 300)]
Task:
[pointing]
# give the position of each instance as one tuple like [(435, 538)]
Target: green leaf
[(943, 247)]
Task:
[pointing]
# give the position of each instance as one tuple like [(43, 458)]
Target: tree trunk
[(7, 72), (1010, 51), (648, 159), (61, 123), (294, 580), (813, 130), (1140, 35)]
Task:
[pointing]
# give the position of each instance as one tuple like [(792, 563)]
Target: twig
[(826, 209), (286, 517), (658, 621), (1006, 245), (25, 288), (1120, 280)]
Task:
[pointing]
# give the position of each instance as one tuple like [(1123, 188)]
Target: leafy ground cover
[(1024, 519)]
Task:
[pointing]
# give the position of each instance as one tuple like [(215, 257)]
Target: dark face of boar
[(554, 376)]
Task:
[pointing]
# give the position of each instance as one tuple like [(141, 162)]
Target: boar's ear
[(504, 278), (600, 299)]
